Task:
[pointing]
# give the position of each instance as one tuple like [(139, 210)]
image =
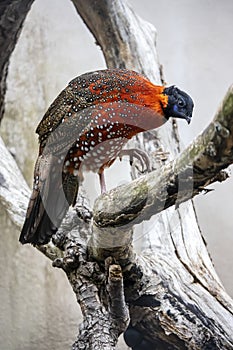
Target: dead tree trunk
[(12, 16), (170, 293)]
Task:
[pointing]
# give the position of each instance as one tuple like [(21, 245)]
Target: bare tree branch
[(12, 16), (123, 37), (13, 197)]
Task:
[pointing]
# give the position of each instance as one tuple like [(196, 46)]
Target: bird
[(85, 128)]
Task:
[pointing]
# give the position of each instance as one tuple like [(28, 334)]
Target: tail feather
[(37, 229), (52, 195)]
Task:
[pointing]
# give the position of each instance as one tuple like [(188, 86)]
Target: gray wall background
[(37, 307)]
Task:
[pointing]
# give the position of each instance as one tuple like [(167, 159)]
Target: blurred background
[(37, 307)]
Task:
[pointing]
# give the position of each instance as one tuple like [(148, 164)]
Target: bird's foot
[(160, 155), (140, 155)]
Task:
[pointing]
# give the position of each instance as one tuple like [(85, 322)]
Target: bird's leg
[(102, 181), (140, 155)]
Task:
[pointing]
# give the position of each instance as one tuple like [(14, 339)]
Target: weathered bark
[(12, 16), (175, 298)]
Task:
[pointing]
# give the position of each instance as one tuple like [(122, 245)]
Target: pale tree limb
[(122, 35), (12, 16)]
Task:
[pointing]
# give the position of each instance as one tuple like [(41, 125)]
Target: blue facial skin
[(178, 114), (180, 105)]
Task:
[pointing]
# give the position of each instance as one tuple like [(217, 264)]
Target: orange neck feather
[(154, 98)]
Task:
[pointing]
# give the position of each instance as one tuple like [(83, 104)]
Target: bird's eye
[(181, 103)]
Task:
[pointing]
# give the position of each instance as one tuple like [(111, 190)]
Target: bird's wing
[(87, 90), (97, 118)]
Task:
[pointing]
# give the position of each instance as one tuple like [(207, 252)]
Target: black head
[(180, 104)]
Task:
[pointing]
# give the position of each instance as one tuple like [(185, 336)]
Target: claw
[(140, 155), (161, 155)]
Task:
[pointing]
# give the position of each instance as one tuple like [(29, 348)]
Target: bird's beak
[(185, 116), (188, 119)]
